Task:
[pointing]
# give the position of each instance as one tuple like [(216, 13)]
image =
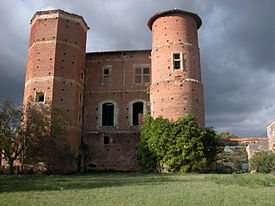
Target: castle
[(106, 93)]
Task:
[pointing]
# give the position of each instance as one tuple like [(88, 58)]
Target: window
[(108, 114), (178, 61), (80, 118), (82, 76), (142, 75), (106, 76), (137, 112), (106, 139), (80, 97), (40, 97)]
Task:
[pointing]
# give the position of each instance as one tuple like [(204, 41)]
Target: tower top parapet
[(60, 14), (173, 11)]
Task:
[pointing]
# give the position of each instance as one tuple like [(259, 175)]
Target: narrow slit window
[(106, 76), (106, 139), (80, 118)]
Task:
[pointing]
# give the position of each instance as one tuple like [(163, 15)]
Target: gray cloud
[(236, 41)]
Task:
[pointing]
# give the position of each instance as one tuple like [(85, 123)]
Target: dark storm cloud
[(236, 41)]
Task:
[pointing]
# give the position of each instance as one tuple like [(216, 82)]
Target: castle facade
[(105, 94)]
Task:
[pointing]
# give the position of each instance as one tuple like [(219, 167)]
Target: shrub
[(180, 146), (231, 159), (263, 162)]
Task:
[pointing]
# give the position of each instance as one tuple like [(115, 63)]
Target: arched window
[(137, 112), (108, 114)]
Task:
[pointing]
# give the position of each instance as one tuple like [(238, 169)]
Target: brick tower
[(55, 68), (176, 88)]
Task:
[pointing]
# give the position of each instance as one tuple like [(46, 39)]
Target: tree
[(12, 137), (263, 162), (226, 135), (181, 146), (36, 134), (48, 143)]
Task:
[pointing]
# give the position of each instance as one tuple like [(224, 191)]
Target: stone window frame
[(142, 67), (181, 60), (109, 67), (99, 114), (130, 106), (36, 97)]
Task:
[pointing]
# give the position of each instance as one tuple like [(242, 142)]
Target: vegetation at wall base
[(263, 162), (176, 146)]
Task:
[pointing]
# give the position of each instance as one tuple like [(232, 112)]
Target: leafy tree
[(263, 162), (33, 135), (12, 136), (226, 135), (48, 143), (231, 159), (181, 146)]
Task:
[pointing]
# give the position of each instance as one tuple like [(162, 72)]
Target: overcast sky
[(237, 43)]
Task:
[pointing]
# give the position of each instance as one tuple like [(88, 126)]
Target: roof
[(271, 123), (247, 139), (59, 11), (119, 51), (173, 11)]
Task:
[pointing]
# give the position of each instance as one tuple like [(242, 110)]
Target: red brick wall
[(174, 94), (122, 91), (56, 59)]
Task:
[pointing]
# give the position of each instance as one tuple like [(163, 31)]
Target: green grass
[(138, 189)]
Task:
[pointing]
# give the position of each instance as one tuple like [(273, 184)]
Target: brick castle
[(106, 93)]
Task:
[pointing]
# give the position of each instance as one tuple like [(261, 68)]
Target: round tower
[(55, 67), (176, 88)]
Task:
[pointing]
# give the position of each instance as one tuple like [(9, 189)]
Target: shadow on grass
[(78, 182)]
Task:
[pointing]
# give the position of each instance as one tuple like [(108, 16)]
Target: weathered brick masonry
[(106, 93), (176, 92)]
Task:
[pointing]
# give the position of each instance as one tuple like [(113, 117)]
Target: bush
[(263, 162), (180, 146), (231, 159)]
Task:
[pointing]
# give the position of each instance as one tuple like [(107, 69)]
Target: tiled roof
[(247, 139)]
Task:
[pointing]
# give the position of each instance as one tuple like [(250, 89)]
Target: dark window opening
[(106, 76), (108, 114), (80, 118), (106, 139), (177, 61), (91, 165), (137, 112), (40, 97)]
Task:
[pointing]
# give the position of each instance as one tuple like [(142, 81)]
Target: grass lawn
[(138, 189)]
